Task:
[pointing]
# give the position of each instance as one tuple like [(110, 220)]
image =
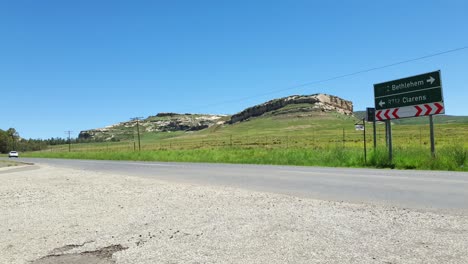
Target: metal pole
[(431, 127), (365, 147), (420, 137), (386, 133), (390, 145), (138, 131), (375, 135)]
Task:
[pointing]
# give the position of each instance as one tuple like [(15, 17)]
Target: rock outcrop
[(162, 122), (171, 122), (322, 102)]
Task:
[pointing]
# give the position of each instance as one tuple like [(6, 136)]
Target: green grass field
[(283, 138)]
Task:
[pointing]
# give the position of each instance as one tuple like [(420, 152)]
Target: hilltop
[(300, 105), (309, 103), (162, 122)]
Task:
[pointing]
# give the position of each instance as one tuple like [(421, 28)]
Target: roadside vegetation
[(304, 139), (10, 140)]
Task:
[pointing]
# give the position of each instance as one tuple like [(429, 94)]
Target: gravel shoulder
[(52, 212), (8, 163)]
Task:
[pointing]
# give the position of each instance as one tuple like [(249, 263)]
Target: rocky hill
[(171, 122), (315, 102), (162, 122)]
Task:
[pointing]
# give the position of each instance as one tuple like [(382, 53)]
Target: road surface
[(405, 188), (89, 212)]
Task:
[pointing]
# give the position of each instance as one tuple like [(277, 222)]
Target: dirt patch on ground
[(100, 256), (8, 163), (293, 128)]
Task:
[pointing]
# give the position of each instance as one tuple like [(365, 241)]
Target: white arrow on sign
[(381, 103), (431, 80)]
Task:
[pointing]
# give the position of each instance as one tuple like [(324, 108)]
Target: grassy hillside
[(293, 135)]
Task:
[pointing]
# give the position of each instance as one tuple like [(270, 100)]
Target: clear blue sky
[(76, 65)]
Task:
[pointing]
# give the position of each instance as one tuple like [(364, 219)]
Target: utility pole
[(69, 139), (137, 119), (134, 144)]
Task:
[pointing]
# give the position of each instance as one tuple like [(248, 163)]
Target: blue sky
[(76, 65)]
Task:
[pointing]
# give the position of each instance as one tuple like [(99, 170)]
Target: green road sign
[(420, 89)]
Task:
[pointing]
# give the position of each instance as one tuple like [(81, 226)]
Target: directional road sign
[(370, 114), (418, 95)]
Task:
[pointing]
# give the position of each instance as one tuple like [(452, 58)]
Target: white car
[(13, 154)]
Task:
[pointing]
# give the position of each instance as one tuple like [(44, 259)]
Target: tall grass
[(447, 158), (323, 139)]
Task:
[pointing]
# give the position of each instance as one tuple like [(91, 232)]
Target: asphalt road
[(404, 188)]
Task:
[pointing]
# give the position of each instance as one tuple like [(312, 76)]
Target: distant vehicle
[(13, 154)]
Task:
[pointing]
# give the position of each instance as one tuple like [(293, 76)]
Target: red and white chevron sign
[(410, 111)]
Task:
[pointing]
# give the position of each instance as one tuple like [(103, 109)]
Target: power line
[(337, 77)]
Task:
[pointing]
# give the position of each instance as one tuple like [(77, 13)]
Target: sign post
[(431, 129), (363, 128), (419, 95), (388, 135), (365, 148), (370, 117)]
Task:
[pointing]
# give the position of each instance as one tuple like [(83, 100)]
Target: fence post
[(343, 138)]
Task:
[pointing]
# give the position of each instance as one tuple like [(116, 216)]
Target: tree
[(14, 136), (3, 141)]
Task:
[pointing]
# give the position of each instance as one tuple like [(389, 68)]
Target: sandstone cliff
[(162, 122), (321, 102)]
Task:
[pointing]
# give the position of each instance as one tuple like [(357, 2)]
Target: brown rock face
[(324, 102), (162, 122)]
